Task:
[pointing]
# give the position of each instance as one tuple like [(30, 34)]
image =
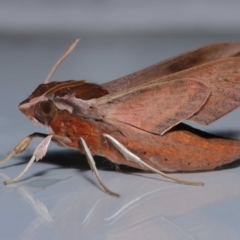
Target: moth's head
[(38, 107), (41, 113)]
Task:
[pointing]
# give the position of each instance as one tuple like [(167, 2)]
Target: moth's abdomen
[(182, 149)]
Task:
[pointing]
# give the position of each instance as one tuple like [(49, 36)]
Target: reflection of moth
[(136, 120)]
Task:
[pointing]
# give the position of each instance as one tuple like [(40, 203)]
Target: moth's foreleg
[(39, 152), (134, 158), (92, 164), (22, 145)]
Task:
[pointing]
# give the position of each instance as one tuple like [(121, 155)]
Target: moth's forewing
[(175, 64), (156, 107), (222, 77)]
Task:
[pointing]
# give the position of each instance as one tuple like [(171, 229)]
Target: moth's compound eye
[(45, 111)]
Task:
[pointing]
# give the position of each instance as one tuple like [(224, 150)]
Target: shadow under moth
[(136, 120)]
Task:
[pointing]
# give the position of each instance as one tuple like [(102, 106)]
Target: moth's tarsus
[(132, 157), (19, 148), (92, 164), (61, 59), (13, 180), (8, 157)]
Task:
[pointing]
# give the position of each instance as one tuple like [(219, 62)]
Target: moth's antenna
[(69, 50)]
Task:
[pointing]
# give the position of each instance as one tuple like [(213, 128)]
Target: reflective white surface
[(59, 197)]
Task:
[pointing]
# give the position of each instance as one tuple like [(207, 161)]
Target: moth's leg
[(38, 154), (94, 169), (22, 145), (132, 157)]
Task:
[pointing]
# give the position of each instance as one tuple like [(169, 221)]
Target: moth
[(136, 120)]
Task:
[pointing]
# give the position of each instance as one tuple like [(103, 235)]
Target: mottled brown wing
[(155, 108), (175, 64), (222, 78)]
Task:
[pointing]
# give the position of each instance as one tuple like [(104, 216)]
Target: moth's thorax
[(74, 127)]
